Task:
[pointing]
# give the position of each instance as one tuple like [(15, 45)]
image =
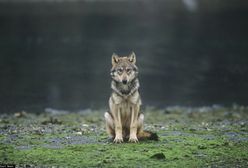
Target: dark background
[(58, 53)]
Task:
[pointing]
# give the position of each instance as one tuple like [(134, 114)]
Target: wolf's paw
[(133, 139), (118, 140)]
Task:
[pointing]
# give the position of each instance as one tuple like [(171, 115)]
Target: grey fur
[(125, 90)]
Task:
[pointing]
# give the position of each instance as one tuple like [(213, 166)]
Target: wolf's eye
[(129, 70), (119, 70)]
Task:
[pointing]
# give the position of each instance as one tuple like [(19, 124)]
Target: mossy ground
[(188, 137)]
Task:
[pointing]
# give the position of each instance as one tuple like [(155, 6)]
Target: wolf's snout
[(124, 81)]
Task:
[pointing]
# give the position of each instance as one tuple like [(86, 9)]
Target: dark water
[(57, 54)]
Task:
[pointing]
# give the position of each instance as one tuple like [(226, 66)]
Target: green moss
[(187, 139), (188, 153)]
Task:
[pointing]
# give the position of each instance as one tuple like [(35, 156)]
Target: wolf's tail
[(147, 135)]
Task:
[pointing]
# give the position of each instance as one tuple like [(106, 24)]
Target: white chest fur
[(132, 99)]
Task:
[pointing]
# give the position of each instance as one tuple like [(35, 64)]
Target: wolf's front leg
[(118, 126), (134, 124)]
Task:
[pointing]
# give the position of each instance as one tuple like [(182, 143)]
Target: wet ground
[(213, 136)]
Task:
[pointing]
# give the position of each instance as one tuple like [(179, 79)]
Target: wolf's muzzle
[(124, 82)]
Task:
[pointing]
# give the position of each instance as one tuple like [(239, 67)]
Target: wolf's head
[(124, 69)]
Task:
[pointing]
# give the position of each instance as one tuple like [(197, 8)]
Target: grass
[(189, 137)]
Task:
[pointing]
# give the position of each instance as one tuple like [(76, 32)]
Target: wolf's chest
[(127, 101), (124, 89), (125, 107)]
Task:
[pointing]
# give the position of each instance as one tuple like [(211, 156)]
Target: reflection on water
[(58, 54)]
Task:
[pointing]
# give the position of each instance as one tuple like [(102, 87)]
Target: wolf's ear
[(115, 59), (132, 58)]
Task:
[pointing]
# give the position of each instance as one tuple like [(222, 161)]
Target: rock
[(159, 156), (20, 114), (79, 133), (51, 121)]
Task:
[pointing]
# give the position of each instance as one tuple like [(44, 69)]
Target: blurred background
[(57, 53)]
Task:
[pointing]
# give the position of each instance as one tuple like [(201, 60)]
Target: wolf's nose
[(124, 81)]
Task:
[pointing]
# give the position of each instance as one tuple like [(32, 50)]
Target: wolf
[(124, 121)]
